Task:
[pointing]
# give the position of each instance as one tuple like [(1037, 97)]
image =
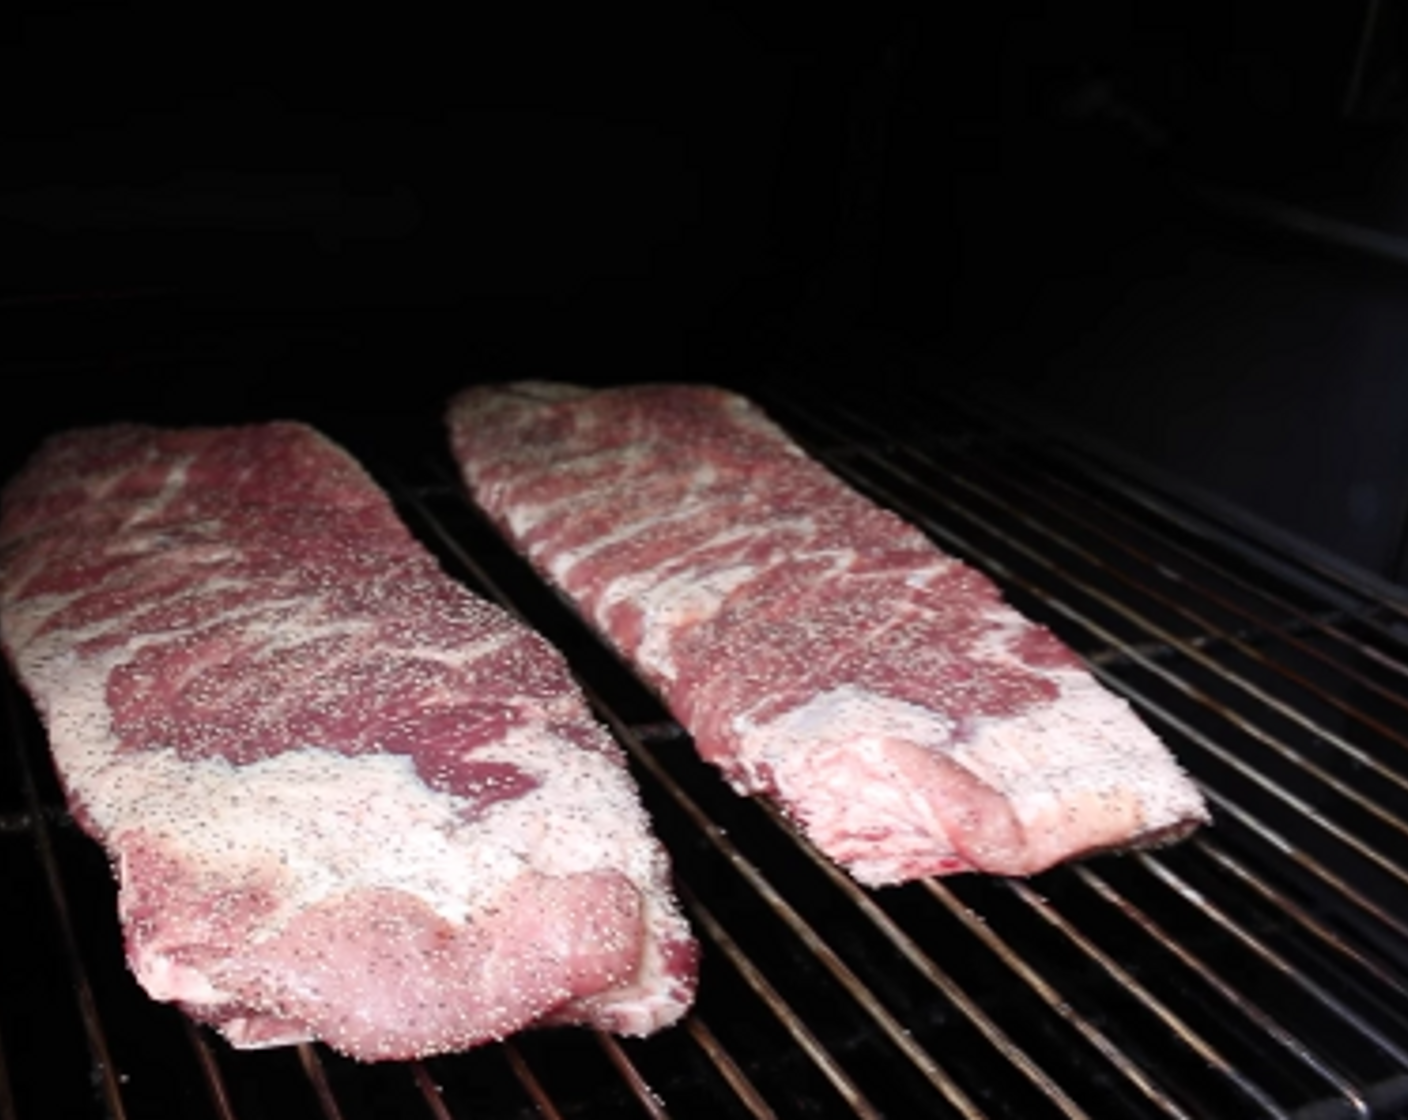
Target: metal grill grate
[(1259, 969)]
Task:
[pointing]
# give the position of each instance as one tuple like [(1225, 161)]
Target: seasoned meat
[(821, 651), (344, 798)]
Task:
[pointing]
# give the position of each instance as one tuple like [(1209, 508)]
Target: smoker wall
[(228, 209), (1178, 226)]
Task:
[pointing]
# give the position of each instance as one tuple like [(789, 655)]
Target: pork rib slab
[(344, 798), (821, 651)]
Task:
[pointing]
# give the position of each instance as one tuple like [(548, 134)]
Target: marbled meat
[(344, 798), (820, 650)]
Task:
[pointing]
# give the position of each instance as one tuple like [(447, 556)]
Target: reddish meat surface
[(344, 798), (820, 650)]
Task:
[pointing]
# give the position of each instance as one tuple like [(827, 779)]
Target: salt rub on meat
[(345, 799), (821, 651)]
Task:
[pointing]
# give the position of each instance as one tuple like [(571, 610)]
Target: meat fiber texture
[(820, 650), (344, 798)]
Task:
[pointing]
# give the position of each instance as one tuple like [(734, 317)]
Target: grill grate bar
[(83, 989), (1301, 621), (1213, 634), (1190, 1038), (1303, 918), (214, 1081), (1259, 828), (318, 1078), (1054, 1000), (1206, 642), (729, 1069), (664, 731), (430, 1091), (1331, 580), (652, 1104), (1196, 965), (794, 1025), (1319, 819), (1166, 875), (1250, 820), (1371, 616), (529, 1080), (935, 975)]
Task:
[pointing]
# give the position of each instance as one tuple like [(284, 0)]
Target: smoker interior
[(1178, 225), (1257, 969)]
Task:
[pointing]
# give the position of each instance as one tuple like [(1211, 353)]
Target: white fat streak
[(523, 516), (1002, 627), (173, 485), (1086, 741), (669, 604), (326, 823), (920, 577), (828, 760), (23, 618), (689, 506), (278, 633), (846, 714)]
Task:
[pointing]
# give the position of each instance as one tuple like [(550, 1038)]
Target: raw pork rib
[(344, 798), (821, 651)]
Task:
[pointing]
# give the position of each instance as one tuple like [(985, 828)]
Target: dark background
[(1177, 225)]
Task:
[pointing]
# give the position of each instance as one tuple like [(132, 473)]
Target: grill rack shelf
[(1258, 969)]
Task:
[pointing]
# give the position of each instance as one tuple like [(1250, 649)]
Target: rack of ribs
[(344, 798), (821, 651)]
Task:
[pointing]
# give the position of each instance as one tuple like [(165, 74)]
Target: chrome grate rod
[(1053, 999), (762, 987), (1270, 957), (104, 1072), (922, 963), (728, 1069), (210, 1070), (1332, 580), (1269, 1027), (430, 1092), (1096, 474), (1297, 913), (529, 1080), (318, 1079), (1302, 620), (646, 1097), (1176, 1026)]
